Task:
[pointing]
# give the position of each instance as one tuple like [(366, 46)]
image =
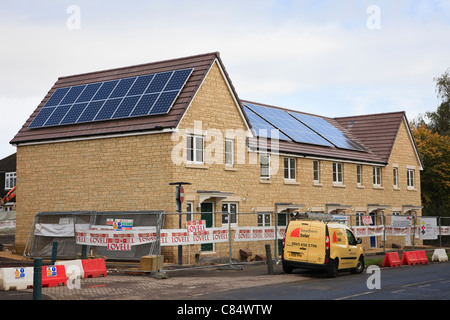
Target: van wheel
[(287, 269), (359, 266), (333, 268)]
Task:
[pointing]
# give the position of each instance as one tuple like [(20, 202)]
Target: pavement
[(127, 283)]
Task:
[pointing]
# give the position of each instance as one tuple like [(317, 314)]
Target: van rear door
[(296, 241), (316, 243)]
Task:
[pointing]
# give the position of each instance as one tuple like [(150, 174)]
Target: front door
[(373, 239), (208, 216)]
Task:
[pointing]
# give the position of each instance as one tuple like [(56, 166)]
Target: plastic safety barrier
[(410, 258), (391, 259), (439, 255), (73, 267), (422, 257), (53, 276), (94, 268), (17, 278)]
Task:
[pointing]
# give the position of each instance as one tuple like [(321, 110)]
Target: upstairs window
[(377, 176), (410, 178), (316, 171), (289, 169), (359, 174), (337, 172), (10, 180), (195, 149), (229, 152), (264, 166), (395, 176)]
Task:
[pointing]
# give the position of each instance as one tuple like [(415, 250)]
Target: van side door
[(351, 258)]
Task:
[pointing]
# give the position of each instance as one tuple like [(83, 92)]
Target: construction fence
[(182, 240)]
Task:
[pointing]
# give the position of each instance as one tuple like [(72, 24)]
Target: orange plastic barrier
[(53, 276), (94, 268), (391, 259), (410, 258), (422, 257)]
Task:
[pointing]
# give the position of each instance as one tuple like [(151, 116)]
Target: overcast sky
[(332, 58)]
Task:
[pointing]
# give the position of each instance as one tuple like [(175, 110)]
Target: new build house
[(113, 141)]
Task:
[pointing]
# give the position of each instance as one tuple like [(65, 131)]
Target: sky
[(331, 58)]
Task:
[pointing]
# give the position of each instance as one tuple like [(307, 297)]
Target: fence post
[(384, 233), (37, 279), (54, 252), (269, 259)]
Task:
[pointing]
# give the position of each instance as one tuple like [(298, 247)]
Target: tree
[(443, 86), (433, 142), (435, 178)]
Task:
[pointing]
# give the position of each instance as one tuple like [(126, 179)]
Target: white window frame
[(229, 152), (264, 219), (376, 176), (338, 173), (410, 178), (234, 215), (316, 171), (189, 210), (266, 166), (395, 176), (10, 180), (198, 145), (359, 174), (290, 169)]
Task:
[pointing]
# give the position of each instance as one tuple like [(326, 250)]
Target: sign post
[(179, 198)]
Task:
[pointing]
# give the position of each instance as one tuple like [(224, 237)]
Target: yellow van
[(315, 244)]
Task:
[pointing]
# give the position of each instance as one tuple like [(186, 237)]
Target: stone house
[(239, 156)]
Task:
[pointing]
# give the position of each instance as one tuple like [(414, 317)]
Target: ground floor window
[(264, 219), (229, 208)]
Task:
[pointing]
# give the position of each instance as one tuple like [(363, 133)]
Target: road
[(420, 282)]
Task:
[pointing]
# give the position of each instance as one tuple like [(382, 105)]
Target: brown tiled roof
[(200, 63), (376, 131)]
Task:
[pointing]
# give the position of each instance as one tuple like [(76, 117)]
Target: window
[(189, 210), (229, 152), (410, 178), (359, 174), (359, 218), (337, 172), (395, 175), (377, 176), (10, 180), (229, 208), (289, 169), (264, 219), (351, 238), (265, 166), (316, 170), (195, 149)]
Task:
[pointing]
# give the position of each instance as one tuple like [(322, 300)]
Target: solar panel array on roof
[(328, 131), (288, 125), (298, 127), (122, 98), (262, 127)]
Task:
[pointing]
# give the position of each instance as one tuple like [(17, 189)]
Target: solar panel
[(262, 127), (144, 95), (288, 125), (328, 131)]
